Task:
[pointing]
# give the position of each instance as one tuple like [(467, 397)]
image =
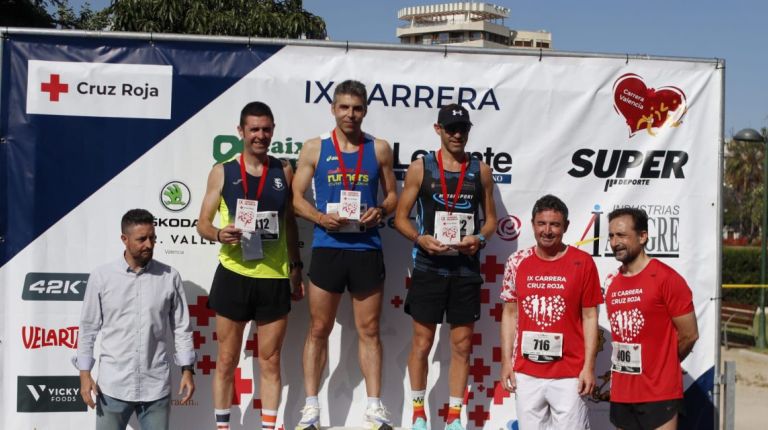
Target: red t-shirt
[(640, 310), (550, 296)]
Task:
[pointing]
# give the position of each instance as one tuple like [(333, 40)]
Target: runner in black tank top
[(450, 189)]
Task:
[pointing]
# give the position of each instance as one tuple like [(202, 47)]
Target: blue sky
[(736, 30)]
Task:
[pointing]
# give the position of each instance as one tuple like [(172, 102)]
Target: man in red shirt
[(549, 325), (653, 326)]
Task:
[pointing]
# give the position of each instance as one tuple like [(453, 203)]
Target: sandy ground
[(751, 388)]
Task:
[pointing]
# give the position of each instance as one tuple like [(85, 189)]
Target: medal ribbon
[(343, 169), (450, 209), (262, 180)]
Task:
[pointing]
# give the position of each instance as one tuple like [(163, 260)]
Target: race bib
[(627, 358), (542, 347), (466, 227), (349, 205), (447, 228), (245, 214), (250, 243), (268, 225), (351, 226)]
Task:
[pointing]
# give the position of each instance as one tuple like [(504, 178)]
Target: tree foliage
[(257, 18), (261, 18), (51, 14), (743, 200)]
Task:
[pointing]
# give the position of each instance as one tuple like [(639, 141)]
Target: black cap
[(453, 114)]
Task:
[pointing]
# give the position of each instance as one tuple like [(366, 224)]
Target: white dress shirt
[(136, 313)]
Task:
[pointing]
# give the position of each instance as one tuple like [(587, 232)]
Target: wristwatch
[(480, 237), (189, 368), (295, 264)]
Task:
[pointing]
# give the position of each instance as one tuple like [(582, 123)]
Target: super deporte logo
[(54, 286), (49, 394), (644, 109)]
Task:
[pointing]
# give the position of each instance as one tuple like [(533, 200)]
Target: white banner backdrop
[(597, 132)]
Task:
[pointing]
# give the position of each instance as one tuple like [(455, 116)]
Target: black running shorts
[(335, 270), (642, 416), (241, 298), (432, 296)]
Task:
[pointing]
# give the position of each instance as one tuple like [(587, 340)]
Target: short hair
[(136, 217), (639, 217), (352, 88), (255, 109), (549, 203)]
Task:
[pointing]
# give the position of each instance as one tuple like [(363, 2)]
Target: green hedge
[(741, 265)]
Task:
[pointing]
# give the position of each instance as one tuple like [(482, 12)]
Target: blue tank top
[(328, 186), (430, 200)]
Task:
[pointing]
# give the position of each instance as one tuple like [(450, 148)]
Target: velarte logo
[(49, 394), (99, 89), (54, 286), (40, 337)]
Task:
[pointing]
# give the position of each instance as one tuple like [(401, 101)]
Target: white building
[(465, 24)]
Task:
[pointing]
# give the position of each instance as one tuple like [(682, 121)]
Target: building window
[(540, 44)]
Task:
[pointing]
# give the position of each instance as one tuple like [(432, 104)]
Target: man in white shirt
[(138, 305)]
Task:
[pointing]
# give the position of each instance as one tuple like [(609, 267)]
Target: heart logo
[(544, 310), (649, 109), (626, 325)]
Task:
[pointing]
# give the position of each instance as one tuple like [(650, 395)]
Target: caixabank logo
[(54, 286), (49, 394), (99, 89), (663, 230), (645, 110)]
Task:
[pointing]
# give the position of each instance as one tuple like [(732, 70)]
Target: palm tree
[(744, 182)]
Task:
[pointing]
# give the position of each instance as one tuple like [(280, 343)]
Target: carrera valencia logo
[(649, 109)]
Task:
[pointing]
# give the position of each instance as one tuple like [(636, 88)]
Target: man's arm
[(508, 332), (407, 199), (687, 333), (292, 237), (91, 319), (302, 179), (182, 338), (210, 205), (471, 244), (373, 215), (587, 374)]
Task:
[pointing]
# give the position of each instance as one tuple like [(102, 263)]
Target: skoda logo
[(175, 196)]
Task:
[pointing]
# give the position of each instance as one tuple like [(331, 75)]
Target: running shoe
[(377, 418), (310, 418)]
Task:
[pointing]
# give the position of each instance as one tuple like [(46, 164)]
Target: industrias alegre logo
[(175, 196)]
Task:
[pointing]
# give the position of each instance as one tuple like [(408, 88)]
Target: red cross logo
[(496, 312), (206, 364), (200, 311), (253, 345), (479, 415), (491, 268), (396, 301), (479, 370), (54, 87), (241, 386)]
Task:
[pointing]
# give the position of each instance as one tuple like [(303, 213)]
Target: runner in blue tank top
[(450, 188), (346, 166)]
